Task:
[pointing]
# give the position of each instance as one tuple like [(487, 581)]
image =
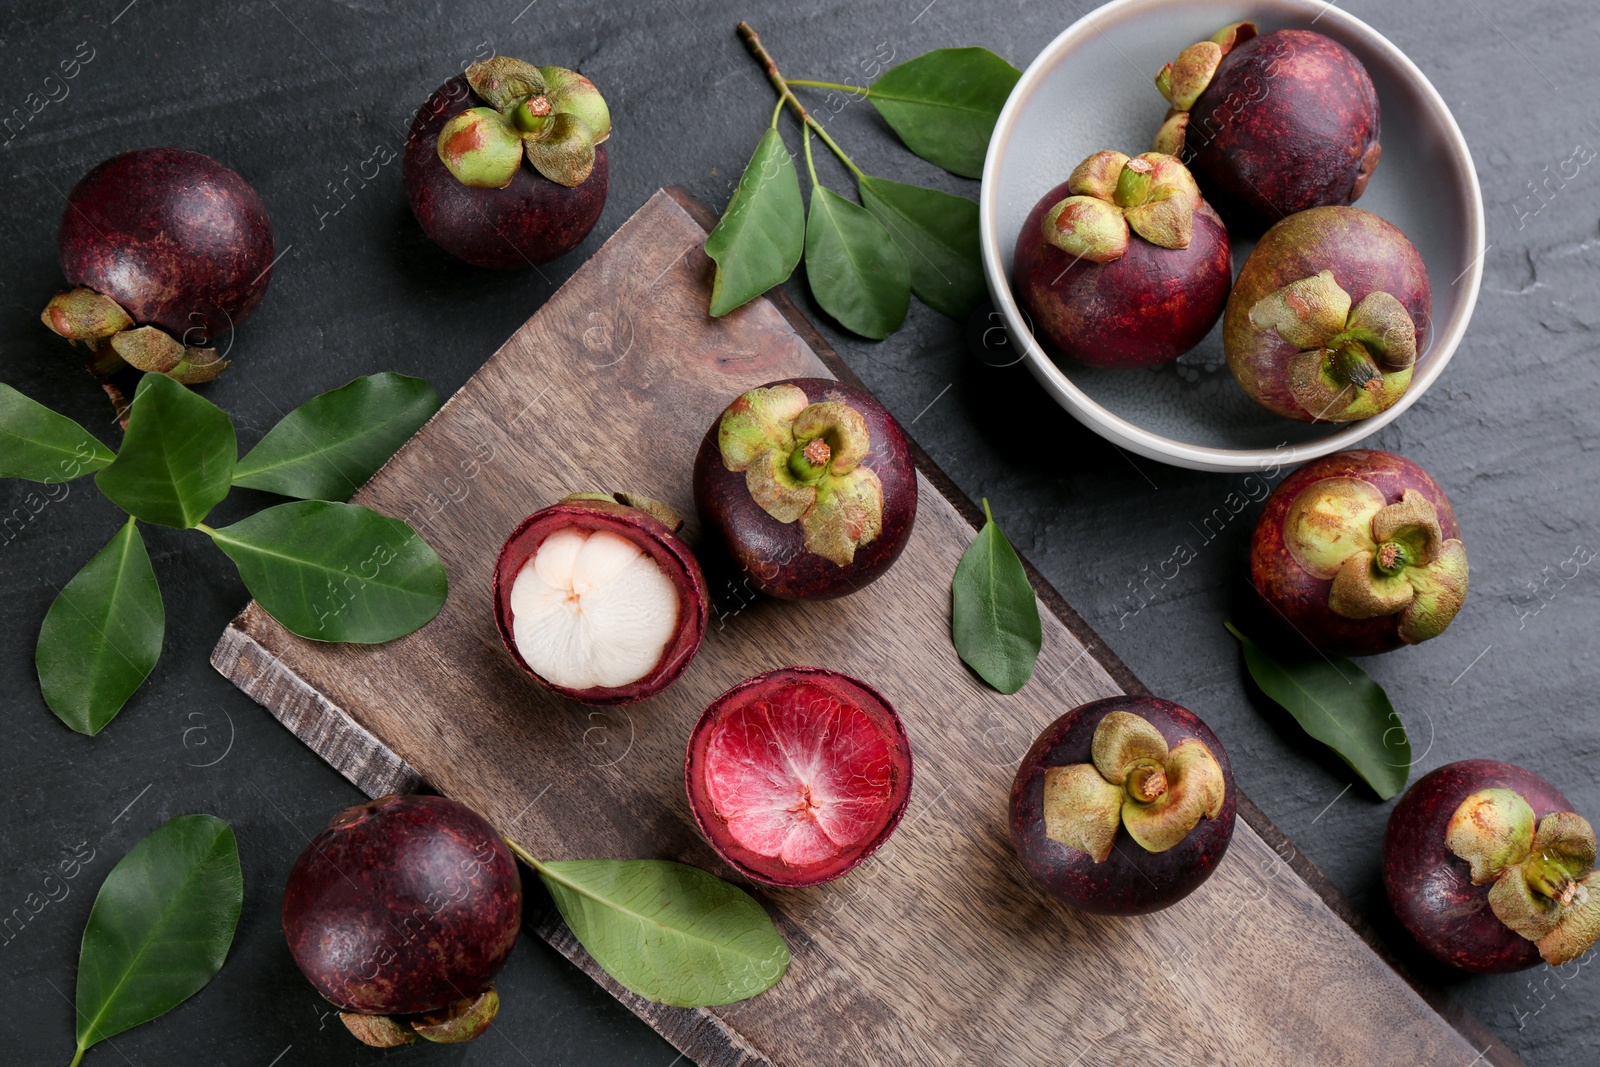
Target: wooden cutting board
[(938, 949)]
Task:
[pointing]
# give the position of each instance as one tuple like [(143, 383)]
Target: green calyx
[(554, 117), (1152, 195), (1134, 781), (802, 463), (1183, 80), (1542, 880), (1352, 361), (100, 324), (464, 1020), (1383, 559)]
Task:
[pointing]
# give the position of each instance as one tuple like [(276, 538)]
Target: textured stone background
[(298, 94)]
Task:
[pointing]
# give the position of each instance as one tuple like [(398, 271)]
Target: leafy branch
[(326, 570), (864, 261)]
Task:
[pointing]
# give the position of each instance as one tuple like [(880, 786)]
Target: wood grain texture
[(937, 950)]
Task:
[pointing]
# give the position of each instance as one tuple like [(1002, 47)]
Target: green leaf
[(42, 446), (1337, 703), (102, 635), (160, 927), (994, 615), (177, 457), (939, 235), (669, 932), (944, 104), (328, 447), (758, 241), (336, 572), (857, 272)]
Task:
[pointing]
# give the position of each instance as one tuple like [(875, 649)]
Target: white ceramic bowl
[(1090, 89)]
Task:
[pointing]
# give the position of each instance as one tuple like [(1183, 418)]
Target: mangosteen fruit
[(1123, 805), (1328, 316), (598, 599), (1271, 124), (1489, 868), (810, 485), (168, 251), (1360, 552), (1123, 265), (797, 775), (401, 913), (505, 166)]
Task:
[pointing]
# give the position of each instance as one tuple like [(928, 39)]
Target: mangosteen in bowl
[(168, 251), (505, 166), (1361, 553), (797, 775), (1328, 316), (1270, 123), (1123, 806), (810, 486), (598, 599), (1123, 264), (401, 913), (1488, 867)]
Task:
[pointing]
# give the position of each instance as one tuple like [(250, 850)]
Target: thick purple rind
[(1301, 598), (1431, 888), (176, 238), (1287, 123), (653, 536), (404, 904), (531, 221), (1365, 253), (770, 870), (772, 554), (1130, 881), (1147, 307)]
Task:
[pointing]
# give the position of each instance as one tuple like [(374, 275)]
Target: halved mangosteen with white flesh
[(598, 598)]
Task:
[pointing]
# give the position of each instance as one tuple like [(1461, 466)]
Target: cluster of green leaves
[(325, 569), (994, 615), (863, 261), (160, 927), (1339, 704), (667, 931)]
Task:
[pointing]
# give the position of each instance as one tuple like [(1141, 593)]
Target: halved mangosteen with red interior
[(797, 775)]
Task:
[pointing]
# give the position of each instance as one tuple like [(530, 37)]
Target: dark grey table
[(300, 95)]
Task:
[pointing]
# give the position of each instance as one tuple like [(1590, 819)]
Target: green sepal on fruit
[(1544, 885), (1153, 195), (802, 463), (1135, 781), (1185, 78), (553, 116), (1353, 361), (1383, 559)]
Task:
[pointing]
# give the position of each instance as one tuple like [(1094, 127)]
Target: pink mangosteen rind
[(1145, 308), (772, 554), (650, 534), (1131, 880), (530, 221), (1301, 598), (370, 873), (770, 870), (1430, 887)]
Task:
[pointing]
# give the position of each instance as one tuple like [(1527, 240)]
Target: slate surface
[(310, 101)]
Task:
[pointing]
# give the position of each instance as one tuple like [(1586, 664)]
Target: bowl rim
[(1120, 431)]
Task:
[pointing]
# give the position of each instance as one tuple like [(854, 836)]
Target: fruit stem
[(1358, 368), (752, 41), (1133, 184), (1548, 877), (829, 85)]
